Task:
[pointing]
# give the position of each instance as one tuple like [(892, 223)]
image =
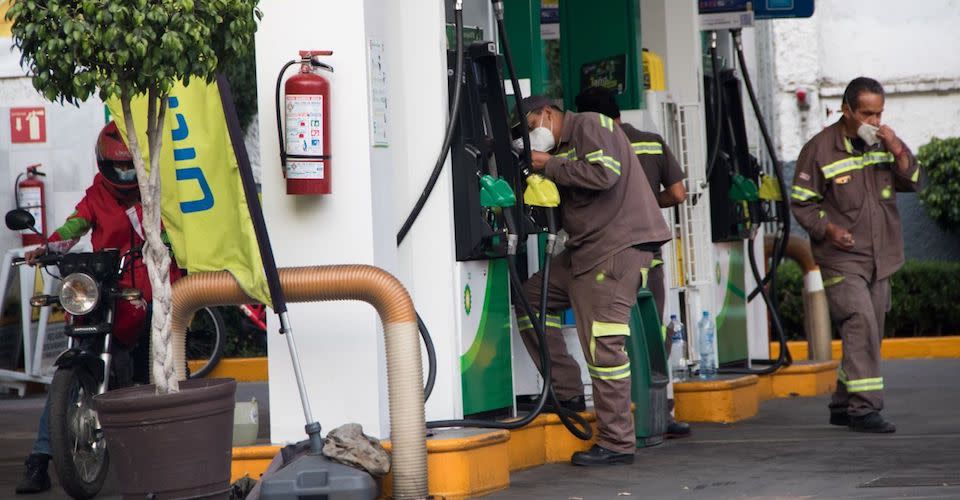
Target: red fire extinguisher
[(305, 133), (31, 197)]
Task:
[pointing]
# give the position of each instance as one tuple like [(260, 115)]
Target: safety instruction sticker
[(304, 124), (31, 200), (305, 169)]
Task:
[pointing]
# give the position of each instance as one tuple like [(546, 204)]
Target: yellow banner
[(4, 24), (204, 209)]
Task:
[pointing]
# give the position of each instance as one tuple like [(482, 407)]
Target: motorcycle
[(97, 359)]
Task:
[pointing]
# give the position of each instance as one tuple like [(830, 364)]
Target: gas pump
[(742, 196), (486, 175)]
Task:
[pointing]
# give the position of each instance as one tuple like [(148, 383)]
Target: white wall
[(373, 190), (337, 341), (67, 157)]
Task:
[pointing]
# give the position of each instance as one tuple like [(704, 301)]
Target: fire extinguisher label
[(305, 124), (304, 169), (30, 200)]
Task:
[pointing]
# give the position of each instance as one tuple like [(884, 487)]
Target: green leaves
[(940, 160), (74, 47)]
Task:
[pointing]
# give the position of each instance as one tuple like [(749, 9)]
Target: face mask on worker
[(126, 175), (868, 133), (541, 138)]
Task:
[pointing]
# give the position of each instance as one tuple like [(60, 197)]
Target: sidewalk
[(787, 451)]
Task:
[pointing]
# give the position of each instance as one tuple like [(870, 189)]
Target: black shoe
[(598, 455), (839, 418), (35, 476), (677, 430), (872, 422)]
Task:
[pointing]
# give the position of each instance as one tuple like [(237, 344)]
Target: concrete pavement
[(787, 451)]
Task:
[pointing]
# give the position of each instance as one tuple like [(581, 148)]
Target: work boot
[(678, 430), (872, 422), (35, 476), (840, 418), (598, 455)]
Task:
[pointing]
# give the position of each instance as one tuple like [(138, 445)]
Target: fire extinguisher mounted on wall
[(304, 131), (30, 194)]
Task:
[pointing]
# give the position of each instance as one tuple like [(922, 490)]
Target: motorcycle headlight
[(79, 294)]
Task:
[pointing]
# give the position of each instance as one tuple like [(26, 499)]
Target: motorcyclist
[(110, 210)]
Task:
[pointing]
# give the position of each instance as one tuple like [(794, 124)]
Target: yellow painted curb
[(559, 444), (463, 466), (806, 378), (724, 400), (898, 348), (241, 369), (765, 387), (527, 445), (252, 461)]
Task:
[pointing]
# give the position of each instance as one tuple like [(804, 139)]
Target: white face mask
[(541, 138), (868, 133), (126, 175)]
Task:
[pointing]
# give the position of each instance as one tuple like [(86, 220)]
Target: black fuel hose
[(584, 433), (448, 135), (565, 415), (780, 246), (717, 107), (784, 358), (431, 358), (514, 83)]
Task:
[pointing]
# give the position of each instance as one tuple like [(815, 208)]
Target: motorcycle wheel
[(206, 337), (79, 449)]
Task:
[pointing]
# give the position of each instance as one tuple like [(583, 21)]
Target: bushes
[(926, 300), (940, 159)]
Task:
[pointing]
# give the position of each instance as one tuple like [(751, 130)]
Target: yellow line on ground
[(241, 369)]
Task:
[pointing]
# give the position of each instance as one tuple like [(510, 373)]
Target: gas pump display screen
[(763, 9), (609, 73)]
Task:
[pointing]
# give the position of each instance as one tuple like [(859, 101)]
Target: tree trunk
[(155, 253)]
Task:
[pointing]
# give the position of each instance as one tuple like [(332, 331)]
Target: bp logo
[(467, 300)]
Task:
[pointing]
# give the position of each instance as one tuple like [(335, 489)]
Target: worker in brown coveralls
[(614, 226), (662, 170), (844, 196)]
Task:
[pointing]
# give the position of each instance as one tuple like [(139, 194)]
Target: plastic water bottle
[(678, 349), (708, 346)]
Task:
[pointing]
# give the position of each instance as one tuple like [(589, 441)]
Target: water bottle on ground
[(707, 333), (678, 349)]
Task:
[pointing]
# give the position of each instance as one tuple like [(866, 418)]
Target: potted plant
[(139, 49)]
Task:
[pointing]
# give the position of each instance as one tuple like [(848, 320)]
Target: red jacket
[(114, 217)]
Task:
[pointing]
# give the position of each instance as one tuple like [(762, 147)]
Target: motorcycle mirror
[(19, 219)]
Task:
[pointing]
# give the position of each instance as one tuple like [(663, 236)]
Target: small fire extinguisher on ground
[(304, 133), (31, 197)]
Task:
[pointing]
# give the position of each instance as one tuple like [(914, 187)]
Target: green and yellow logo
[(467, 300)]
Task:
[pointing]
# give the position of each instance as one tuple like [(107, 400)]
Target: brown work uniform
[(613, 220), (854, 188), (662, 170)]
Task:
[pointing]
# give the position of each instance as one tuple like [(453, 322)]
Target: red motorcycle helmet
[(114, 159)]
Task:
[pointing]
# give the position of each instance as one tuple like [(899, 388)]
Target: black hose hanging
[(448, 136), (717, 108), (784, 358), (780, 247)]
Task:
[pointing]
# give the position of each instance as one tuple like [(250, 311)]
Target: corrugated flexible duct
[(347, 282), (816, 313)]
